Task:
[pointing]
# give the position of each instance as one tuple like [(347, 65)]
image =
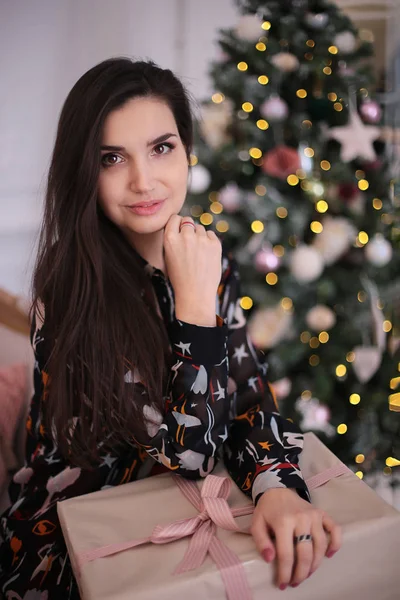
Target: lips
[(144, 204)]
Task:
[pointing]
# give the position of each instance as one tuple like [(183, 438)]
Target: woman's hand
[(193, 259), (282, 514)]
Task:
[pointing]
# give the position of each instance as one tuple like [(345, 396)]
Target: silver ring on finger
[(305, 537)]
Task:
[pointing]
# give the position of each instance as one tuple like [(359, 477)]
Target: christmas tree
[(290, 169)]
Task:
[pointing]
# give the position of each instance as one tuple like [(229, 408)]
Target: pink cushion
[(13, 389)]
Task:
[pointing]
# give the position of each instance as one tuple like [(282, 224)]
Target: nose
[(141, 177)]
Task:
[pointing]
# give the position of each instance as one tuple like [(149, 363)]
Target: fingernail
[(267, 554), (331, 553), (294, 584), (283, 586)]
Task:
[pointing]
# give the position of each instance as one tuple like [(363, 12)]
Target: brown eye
[(169, 148), (108, 160)]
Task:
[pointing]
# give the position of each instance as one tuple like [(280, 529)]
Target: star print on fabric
[(224, 435), (265, 445), (240, 353), (220, 392), (252, 383), (240, 457), (355, 137), (108, 460), (184, 347)]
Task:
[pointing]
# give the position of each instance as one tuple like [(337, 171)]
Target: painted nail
[(267, 554), (331, 553), (294, 584), (283, 586)]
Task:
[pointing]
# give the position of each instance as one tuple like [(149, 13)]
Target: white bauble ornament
[(379, 251), (215, 119), (335, 239), (366, 362), (231, 197), (306, 264), (274, 109), (199, 179), (315, 416), (265, 260), (317, 20), (268, 326), (282, 388), (285, 61), (345, 42), (249, 28), (320, 318)]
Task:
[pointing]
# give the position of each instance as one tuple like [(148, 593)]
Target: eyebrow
[(159, 140)]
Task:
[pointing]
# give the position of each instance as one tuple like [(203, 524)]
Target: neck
[(151, 247)]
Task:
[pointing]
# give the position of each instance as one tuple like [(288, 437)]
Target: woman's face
[(142, 159)]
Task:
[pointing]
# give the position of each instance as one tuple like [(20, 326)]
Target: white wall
[(45, 46)]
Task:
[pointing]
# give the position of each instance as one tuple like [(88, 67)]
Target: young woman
[(143, 362)]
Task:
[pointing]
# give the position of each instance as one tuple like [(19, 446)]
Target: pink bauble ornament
[(266, 260), (230, 197), (274, 109), (281, 162), (370, 111)]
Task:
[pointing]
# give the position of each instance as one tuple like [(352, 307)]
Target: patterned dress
[(218, 404)]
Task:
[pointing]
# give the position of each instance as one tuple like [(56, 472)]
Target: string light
[(218, 98), (271, 278), (342, 428), (257, 226), (392, 462), (213, 196), (263, 79), (246, 302), (350, 357), (323, 337), (363, 238), (360, 174), (361, 296), (262, 124), (260, 190), (314, 360), (309, 152), (292, 179), (255, 153), (308, 56), (278, 250), (310, 43), (333, 50), (377, 203), (261, 47), (359, 474), (387, 326), (206, 219), (327, 70), (247, 107), (287, 303), (355, 399), (325, 165), (316, 227), (301, 174), (307, 123), (341, 370), (387, 471), (394, 383), (266, 25), (332, 96), (281, 212), (394, 402), (338, 106), (216, 208), (321, 206), (222, 226), (306, 395), (242, 66), (363, 184), (305, 337), (301, 93), (196, 210), (359, 458), (193, 160), (314, 342)]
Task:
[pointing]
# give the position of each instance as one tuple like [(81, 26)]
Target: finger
[(304, 553), (184, 229), (173, 223), (320, 543), (201, 230), (285, 553), (262, 539), (335, 533)]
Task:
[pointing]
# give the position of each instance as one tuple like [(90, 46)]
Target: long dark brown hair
[(89, 278)]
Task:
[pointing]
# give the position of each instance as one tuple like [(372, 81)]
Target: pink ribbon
[(214, 512)]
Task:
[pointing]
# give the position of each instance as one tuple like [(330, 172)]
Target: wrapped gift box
[(365, 568)]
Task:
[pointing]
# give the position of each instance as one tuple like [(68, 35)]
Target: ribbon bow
[(214, 512)]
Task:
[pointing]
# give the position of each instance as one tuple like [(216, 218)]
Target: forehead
[(139, 120)]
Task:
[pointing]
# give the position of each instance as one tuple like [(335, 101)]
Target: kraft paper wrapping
[(365, 568)]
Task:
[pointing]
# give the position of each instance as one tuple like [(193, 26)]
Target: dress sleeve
[(262, 448), (195, 422)]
